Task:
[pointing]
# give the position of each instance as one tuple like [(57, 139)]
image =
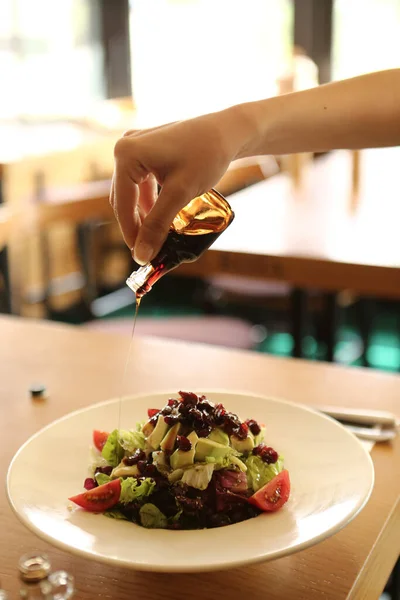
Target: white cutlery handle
[(373, 435), (361, 416)]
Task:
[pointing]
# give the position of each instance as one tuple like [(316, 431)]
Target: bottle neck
[(140, 277)]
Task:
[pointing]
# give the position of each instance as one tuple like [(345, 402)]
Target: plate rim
[(210, 567)]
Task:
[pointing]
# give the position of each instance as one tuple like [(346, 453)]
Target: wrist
[(252, 123), (240, 129)]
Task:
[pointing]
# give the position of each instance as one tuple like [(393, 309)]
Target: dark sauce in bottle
[(193, 231)]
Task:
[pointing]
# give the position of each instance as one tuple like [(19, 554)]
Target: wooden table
[(80, 367), (310, 236), (326, 233)]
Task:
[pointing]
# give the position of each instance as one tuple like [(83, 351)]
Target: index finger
[(125, 202)]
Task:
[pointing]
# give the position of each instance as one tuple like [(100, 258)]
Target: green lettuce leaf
[(259, 438), (198, 476), (131, 440), (230, 461), (176, 517), (114, 513), (101, 478), (132, 490), (152, 518), (259, 473), (113, 451), (160, 462), (119, 442)]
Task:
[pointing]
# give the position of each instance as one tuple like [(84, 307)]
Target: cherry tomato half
[(99, 439), (274, 494), (100, 498)]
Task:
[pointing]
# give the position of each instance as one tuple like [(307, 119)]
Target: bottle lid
[(34, 567), (37, 391)]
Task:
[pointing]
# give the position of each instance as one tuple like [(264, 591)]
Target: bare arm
[(190, 157), (362, 112)]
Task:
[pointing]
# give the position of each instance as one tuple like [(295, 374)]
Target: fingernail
[(143, 253)]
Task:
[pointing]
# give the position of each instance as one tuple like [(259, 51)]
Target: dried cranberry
[(142, 464), (171, 420), (90, 483), (231, 424), (152, 412), (172, 402), (269, 455), (205, 406), (184, 443), (184, 409), (139, 455), (258, 449), (189, 398), (150, 470), (104, 470), (195, 415), (243, 431), (167, 410), (266, 453), (204, 432), (219, 414), (253, 426), (154, 419)]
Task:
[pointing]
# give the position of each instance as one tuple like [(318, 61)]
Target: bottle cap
[(37, 391)]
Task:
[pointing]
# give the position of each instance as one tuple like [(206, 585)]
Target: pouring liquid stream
[(128, 359)]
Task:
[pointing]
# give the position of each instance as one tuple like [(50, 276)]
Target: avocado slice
[(218, 435), (169, 439), (206, 447), (242, 446), (194, 438), (125, 471), (147, 429), (158, 434), (180, 459)]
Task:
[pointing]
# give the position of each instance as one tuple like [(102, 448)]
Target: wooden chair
[(6, 230), (40, 190)]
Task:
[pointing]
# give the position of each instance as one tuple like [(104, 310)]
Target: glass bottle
[(33, 569), (194, 229), (60, 585)]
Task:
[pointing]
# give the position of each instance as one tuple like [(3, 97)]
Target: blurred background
[(322, 279)]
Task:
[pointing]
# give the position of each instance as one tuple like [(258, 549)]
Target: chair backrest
[(26, 189), (89, 162), (6, 224)]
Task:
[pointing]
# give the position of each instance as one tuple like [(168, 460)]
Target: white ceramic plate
[(331, 476)]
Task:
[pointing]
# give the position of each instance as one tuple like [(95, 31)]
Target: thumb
[(174, 195)]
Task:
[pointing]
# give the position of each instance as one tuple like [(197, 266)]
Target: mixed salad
[(191, 465)]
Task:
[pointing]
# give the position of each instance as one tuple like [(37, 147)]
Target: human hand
[(186, 158)]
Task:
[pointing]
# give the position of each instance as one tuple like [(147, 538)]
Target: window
[(366, 36), (194, 56), (50, 62)]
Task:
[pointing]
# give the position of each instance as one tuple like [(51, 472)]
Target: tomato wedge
[(99, 439), (274, 494), (100, 498), (152, 411)]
